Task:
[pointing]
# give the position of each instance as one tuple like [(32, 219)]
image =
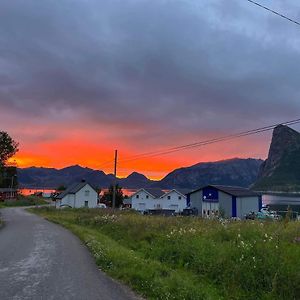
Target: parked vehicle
[(190, 212)]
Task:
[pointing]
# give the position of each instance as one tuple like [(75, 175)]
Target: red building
[(8, 194)]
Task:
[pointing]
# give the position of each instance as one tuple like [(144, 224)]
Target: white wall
[(142, 201), (87, 193), (174, 202)]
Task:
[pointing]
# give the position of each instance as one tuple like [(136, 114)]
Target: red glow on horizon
[(60, 154)]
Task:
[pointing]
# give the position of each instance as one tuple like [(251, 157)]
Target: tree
[(108, 196), (61, 188), (8, 148)]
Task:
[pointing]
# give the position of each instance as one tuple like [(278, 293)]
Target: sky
[(81, 78)]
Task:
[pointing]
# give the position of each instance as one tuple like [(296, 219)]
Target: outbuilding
[(78, 195), (8, 194), (232, 202)]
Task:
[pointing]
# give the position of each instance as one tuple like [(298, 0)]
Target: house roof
[(73, 189), (174, 190), (231, 190), (155, 193)]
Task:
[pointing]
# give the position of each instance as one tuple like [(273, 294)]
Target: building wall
[(174, 202), (87, 193), (225, 204), (144, 201), (196, 201), (68, 200), (246, 205)]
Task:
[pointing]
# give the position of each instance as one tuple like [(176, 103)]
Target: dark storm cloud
[(186, 65)]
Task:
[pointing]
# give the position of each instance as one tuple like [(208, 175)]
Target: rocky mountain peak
[(137, 176), (284, 139)]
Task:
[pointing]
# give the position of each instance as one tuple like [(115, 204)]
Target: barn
[(230, 201)]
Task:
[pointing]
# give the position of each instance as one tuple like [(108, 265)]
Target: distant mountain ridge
[(281, 170), (234, 172), (238, 172)]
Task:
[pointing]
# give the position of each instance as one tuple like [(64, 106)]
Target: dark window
[(204, 212), (137, 196), (169, 197), (208, 212), (179, 197), (147, 196), (86, 203)]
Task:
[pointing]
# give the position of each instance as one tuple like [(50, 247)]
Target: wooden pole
[(115, 181)]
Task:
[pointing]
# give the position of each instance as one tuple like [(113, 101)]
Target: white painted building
[(78, 195), (232, 201), (173, 200), (145, 199)]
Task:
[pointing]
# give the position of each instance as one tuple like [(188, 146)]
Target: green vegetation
[(24, 201), (190, 258), (107, 198)]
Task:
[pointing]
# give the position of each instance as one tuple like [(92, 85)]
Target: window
[(179, 197), (86, 193), (147, 196), (86, 203), (204, 212), (137, 196), (208, 212), (169, 197)]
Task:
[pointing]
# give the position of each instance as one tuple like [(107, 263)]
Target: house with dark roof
[(233, 202), (78, 195), (156, 199)]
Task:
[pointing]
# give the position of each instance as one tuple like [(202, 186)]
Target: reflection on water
[(28, 192)]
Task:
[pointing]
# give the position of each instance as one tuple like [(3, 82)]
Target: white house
[(145, 199), (78, 195), (232, 201), (173, 200)]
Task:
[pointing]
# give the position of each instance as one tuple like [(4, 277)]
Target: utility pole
[(115, 181)]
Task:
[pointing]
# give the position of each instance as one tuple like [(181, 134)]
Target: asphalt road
[(41, 260)]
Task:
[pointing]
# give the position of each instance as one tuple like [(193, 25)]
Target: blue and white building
[(234, 202)]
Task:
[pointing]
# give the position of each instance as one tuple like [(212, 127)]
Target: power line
[(207, 142), (274, 12)]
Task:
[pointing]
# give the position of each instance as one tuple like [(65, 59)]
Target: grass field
[(24, 201), (190, 258)]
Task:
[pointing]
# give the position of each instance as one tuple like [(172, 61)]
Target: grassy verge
[(190, 258), (24, 201)]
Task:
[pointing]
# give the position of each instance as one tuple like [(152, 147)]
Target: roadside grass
[(190, 258), (23, 201)]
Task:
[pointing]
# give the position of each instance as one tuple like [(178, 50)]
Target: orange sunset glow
[(60, 154)]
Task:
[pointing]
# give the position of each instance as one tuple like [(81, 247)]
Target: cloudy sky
[(80, 78)]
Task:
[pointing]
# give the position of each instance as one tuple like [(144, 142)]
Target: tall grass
[(190, 258)]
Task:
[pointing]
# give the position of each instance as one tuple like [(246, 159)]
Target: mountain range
[(279, 172), (241, 172)]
